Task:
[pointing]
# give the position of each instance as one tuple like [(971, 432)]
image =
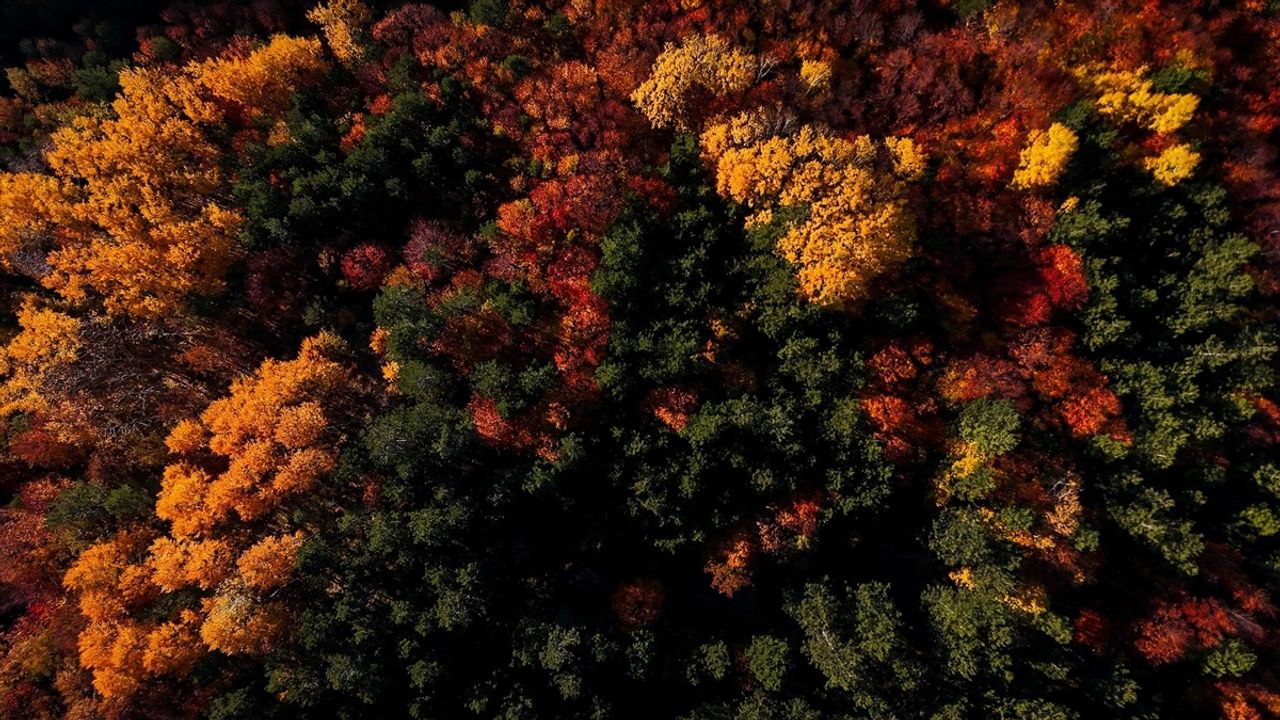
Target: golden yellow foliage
[(378, 340), (178, 563), (169, 563), (174, 647), (858, 225), (108, 578), (274, 438), (263, 81), (342, 21), (1128, 96), (186, 437), (1031, 599), (237, 420), (134, 197), (908, 160), (237, 623), (1173, 165), (181, 501), (741, 130), (46, 336), (301, 426), (31, 206), (123, 656), (699, 62), (1045, 157), (815, 74), (963, 577), (390, 371), (110, 582), (49, 339), (966, 459), (300, 472), (269, 563), (273, 432)]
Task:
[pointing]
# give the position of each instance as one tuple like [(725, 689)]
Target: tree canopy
[(698, 360)]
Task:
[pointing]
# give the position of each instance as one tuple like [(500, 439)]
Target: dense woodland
[(696, 359)]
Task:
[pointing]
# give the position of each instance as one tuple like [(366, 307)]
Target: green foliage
[(85, 508), (1231, 658), (299, 191), (767, 659), (97, 80), (855, 640), (990, 425), (974, 631), (488, 12), (1169, 321), (603, 459), (712, 660)]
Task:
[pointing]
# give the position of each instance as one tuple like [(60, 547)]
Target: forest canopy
[(695, 359)]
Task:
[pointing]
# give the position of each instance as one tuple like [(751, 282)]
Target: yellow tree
[(1045, 157), (32, 205), (1173, 165), (343, 22), (138, 199), (48, 340), (1129, 97), (701, 62), (111, 581), (241, 467), (272, 438), (261, 82), (273, 434), (857, 225)]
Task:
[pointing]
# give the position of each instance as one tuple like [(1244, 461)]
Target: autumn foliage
[(136, 196), (664, 359), (246, 459)]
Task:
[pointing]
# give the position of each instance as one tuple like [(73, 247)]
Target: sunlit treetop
[(1129, 96), (857, 225), (699, 63), (1045, 156), (139, 198), (274, 432), (247, 459), (1173, 165), (48, 339), (343, 23)]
